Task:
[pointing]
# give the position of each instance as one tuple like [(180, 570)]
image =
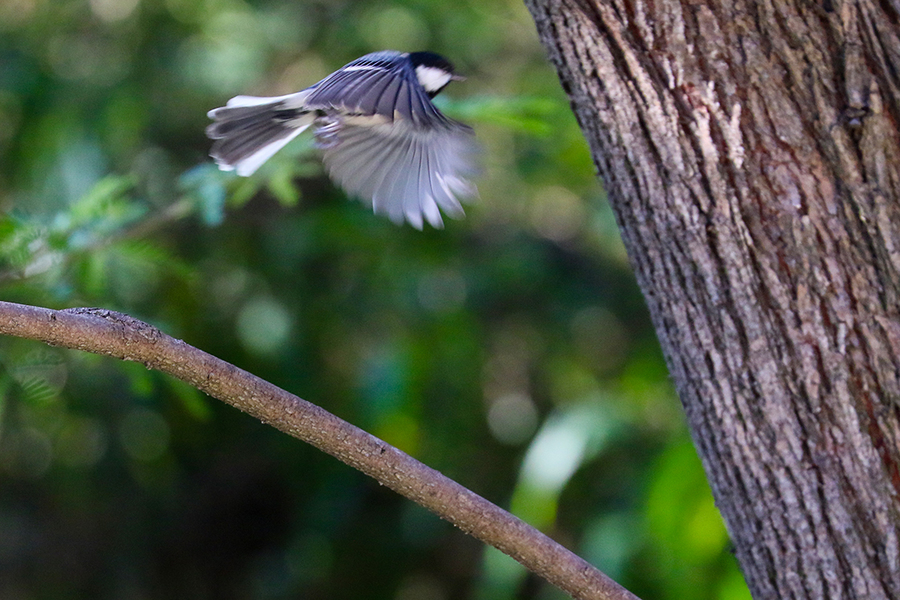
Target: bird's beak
[(456, 77)]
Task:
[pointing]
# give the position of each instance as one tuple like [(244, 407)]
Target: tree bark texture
[(750, 152)]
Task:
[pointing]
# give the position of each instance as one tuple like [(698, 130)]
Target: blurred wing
[(407, 173), (381, 83)]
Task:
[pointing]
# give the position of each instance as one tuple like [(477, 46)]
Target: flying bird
[(383, 140)]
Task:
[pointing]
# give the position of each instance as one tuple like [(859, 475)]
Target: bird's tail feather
[(249, 130)]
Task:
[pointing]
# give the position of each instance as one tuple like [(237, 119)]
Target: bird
[(382, 139)]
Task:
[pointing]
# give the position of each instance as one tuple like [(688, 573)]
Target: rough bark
[(750, 152)]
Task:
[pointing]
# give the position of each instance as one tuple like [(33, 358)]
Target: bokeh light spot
[(28, 452), (144, 434), (442, 290), (81, 442), (113, 10), (554, 456), (512, 418), (557, 214), (394, 28), (263, 325), (421, 587)]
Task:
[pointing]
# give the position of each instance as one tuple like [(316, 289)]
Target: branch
[(120, 336)]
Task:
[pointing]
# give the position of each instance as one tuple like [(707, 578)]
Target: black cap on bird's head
[(433, 71)]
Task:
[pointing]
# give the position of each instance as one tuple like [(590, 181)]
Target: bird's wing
[(381, 83), (408, 173)]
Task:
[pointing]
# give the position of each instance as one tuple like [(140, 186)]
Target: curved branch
[(120, 336)]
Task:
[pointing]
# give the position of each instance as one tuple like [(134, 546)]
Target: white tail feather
[(248, 166)]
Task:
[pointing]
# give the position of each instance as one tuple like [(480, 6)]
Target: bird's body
[(382, 138)]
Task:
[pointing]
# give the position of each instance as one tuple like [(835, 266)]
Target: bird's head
[(433, 71)]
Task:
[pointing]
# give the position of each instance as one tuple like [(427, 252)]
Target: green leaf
[(206, 185), (525, 114), (192, 400), (98, 202), (282, 186), (244, 190)]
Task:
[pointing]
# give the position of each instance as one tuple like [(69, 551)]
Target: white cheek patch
[(432, 78)]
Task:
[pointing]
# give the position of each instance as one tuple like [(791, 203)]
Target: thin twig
[(120, 336)]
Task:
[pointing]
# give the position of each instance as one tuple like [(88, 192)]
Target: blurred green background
[(512, 350)]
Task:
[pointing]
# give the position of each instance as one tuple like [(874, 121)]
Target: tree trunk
[(750, 152)]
